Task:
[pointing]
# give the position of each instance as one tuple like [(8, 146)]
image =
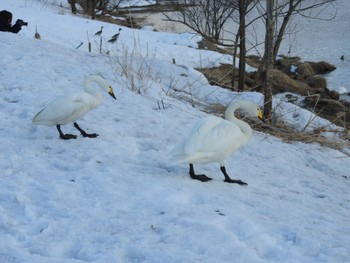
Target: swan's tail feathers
[(37, 119), (198, 157), (41, 119), (189, 158), (177, 159), (178, 155)]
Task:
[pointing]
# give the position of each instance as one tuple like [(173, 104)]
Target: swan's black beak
[(111, 93), (261, 117)]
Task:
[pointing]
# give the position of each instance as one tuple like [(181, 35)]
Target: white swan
[(213, 139), (69, 108)]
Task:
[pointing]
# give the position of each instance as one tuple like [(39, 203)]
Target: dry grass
[(282, 82), (305, 71), (219, 76), (288, 134), (321, 67), (317, 82)]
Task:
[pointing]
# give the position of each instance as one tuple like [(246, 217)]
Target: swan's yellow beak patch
[(111, 93), (260, 115)]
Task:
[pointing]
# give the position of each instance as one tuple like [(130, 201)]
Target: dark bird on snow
[(116, 35), (98, 33), (114, 38)]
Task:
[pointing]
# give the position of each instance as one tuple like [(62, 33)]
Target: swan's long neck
[(230, 116), (88, 84), (89, 88)]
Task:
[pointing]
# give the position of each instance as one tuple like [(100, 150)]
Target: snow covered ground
[(116, 198)]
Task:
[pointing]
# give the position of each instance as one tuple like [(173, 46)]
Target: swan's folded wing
[(223, 139), (62, 111), (200, 134)]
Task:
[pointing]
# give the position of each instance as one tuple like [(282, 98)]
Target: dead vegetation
[(289, 135)]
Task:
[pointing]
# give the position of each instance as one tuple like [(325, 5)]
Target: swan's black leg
[(90, 135), (65, 136), (228, 179), (200, 177)]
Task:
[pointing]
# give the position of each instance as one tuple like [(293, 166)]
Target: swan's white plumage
[(69, 108), (213, 139)]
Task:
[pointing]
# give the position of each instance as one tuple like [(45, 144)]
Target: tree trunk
[(92, 9), (73, 6), (234, 60), (282, 30), (242, 45), (269, 59)]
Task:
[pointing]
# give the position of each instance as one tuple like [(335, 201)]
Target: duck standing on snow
[(98, 33), (213, 139), (114, 38), (70, 108)]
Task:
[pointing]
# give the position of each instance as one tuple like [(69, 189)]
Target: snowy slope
[(116, 198)]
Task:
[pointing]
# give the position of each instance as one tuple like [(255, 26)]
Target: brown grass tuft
[(317, 82), (305, 71), (282, 82), (321, 67)]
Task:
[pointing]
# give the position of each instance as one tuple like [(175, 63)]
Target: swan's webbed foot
[(84, 133), (89, 135), (229, 180), (68, 136), (235, 181), (65, 136), (200, 177)]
